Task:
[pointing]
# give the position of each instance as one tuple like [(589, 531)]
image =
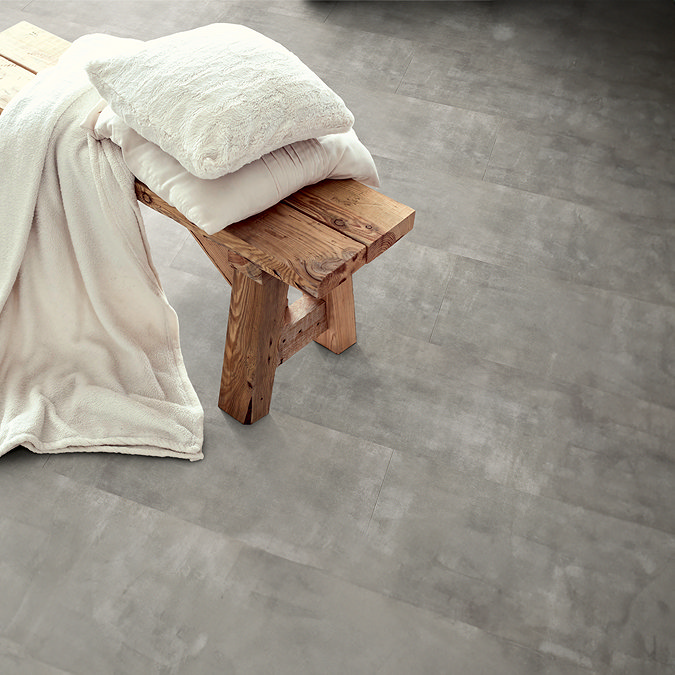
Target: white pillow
[(217, 97), (215, 204)]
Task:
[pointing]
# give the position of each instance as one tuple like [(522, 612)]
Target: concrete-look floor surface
[(485, 483)]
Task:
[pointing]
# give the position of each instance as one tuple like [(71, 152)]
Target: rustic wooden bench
[(314, 241)]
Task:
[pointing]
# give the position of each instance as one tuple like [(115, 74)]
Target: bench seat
[(314, 240)]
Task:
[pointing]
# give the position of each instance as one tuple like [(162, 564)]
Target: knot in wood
[(339, 222)]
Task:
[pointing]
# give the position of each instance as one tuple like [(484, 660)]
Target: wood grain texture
[(13, 79), (305, 321), (217, 254), (256, 318), (340, 317), (298, 249), (31, 47), (357, 211)]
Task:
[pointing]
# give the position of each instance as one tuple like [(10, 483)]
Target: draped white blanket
[(89, 350)]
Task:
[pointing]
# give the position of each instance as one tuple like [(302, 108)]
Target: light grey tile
[(243, 11), (493, 422), (283, 485), (561, 331), (422, 134), (550, 576), (113, 586), (338, 627), (610, 106), (545, 32), (589, 172), (15, 661), (338, 55), (144, 20), (536, 234), (496, 85), (402, 291)]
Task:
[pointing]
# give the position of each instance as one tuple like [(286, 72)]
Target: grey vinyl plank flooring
[(484, 482)]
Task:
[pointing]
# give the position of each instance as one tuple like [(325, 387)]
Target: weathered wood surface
[(256, 318), (356, 211), (13, 79), (282, 241), (305, 321), (297, 249), (340, 318), (31, 47)]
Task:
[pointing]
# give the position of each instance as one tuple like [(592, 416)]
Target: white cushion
[(215, 204), (216, 97)]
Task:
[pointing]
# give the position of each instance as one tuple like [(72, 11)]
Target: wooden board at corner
[(24, 51), (13, 79), (31, 47)]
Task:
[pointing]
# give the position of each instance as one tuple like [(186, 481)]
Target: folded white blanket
[(89, 350)]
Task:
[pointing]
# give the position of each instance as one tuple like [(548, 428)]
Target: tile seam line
[(379, 492), (407, 67), (427, 610), (544, 273), (502, 485), (451, 276), (169, 514), (500, 123)]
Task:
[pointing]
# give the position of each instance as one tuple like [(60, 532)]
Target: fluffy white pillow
[(217, 97), (215, 204)]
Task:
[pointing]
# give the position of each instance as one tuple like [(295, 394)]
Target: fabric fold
[(90, 357)]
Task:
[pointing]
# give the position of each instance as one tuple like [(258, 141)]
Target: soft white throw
[(89, 350)]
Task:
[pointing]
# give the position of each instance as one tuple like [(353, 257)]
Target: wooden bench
[(314, 240)]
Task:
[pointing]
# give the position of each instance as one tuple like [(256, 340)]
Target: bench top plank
[(356, 211), (312, 240), (13, 79), (282, 241), (31, 47)]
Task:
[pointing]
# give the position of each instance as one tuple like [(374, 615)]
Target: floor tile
[(588, 172), (110, 587), (284, 485), (480, 553), (561, 331), (535, 233), (497, 500)]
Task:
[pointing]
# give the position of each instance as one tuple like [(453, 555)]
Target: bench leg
[(257, 312), (341, 318)]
